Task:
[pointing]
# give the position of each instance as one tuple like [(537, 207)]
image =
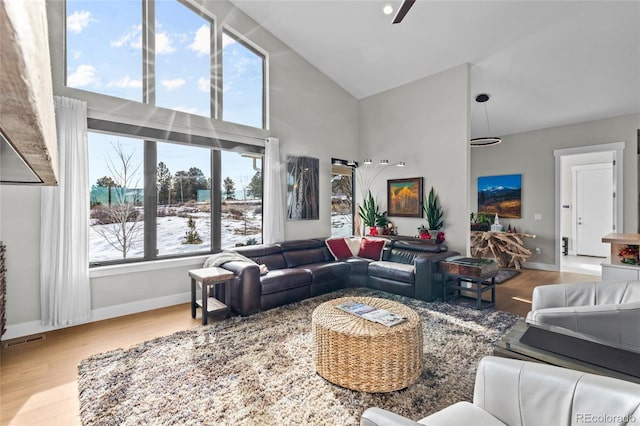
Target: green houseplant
[(370, 213), (480, 222), (433, 211)]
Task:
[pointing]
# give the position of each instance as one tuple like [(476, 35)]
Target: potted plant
[(433, 212), (381, 223), (370, 214), (480, 222)]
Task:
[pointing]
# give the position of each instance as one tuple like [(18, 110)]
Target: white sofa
[(514, 392), (607, 310)]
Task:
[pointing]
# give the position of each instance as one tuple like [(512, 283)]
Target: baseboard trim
[(541, 266), (36, 327)]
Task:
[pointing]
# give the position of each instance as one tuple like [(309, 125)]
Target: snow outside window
[(116, 198), (183, 193), (241, 217)]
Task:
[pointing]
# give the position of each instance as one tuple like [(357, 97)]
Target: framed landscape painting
[(501, 195), (404, 197)]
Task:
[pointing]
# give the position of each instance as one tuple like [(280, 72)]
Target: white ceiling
[(543, 63)]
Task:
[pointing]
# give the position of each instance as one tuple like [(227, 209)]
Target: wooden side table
[(480, 273), (210, 277)]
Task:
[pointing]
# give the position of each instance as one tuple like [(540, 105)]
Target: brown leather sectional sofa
[(305, 268)]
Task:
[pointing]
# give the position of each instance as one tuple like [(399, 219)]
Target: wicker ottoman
[(363, 355)]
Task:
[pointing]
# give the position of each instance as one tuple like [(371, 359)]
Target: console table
[(506, 247)]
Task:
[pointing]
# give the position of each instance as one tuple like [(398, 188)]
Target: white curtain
[(273, 200), (64, 235)]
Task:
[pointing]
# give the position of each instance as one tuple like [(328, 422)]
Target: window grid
[(149, 81)]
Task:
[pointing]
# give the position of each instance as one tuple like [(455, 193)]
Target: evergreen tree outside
[(192, 236), (187, 183), (199, 181), (229, 188), (163, 183), (254, 189)]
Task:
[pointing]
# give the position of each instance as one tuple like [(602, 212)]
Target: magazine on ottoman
[(371, 313)]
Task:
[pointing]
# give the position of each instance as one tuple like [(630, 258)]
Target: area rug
[(505, 275), (259, 370)]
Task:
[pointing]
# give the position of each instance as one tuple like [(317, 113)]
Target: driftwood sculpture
[(506, 247)]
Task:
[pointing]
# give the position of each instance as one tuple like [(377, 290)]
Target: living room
[(424, 122)]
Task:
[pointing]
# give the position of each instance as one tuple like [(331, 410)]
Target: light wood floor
[(38, 380)]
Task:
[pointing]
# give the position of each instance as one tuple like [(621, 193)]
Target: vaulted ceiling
[(543, 63)]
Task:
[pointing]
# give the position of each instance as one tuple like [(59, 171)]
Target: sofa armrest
[(522, 392), (379, 417), (424, 282), (563, 295), (502, 382), (429, 280), (245, 288)]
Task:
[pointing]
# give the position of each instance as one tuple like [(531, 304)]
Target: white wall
[(531, 154), (309, 113), (20, 230), (424, 123)]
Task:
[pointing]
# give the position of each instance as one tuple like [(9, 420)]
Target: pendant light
[(487, 140)]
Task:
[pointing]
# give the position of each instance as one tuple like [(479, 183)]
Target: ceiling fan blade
[(402, 11)]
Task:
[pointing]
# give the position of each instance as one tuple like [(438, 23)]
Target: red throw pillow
[(371, 249), (338, 248)]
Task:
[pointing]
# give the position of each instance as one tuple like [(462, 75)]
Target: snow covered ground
[(171, 234), (341, 225), (172, 229)]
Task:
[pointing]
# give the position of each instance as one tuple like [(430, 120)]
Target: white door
[(594, 208)]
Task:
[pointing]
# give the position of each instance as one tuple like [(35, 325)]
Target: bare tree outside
[(119, 221)]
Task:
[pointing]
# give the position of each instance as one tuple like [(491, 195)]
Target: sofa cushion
[(284, 279), (302, 252), (267, 254), (371, 249), (328, 271), (359, 265), (295, 258), (338, 248), (392, 271)]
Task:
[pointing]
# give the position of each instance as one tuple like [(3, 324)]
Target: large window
[(104, 47), (161, 53), (241, 199), (161, 183), (191, 214), (183, 194), (183, 59), (243, 82), (116, 198)]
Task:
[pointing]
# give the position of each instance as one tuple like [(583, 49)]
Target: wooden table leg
[(227, 297), (193, 298), (205, 300), (493, 291)]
